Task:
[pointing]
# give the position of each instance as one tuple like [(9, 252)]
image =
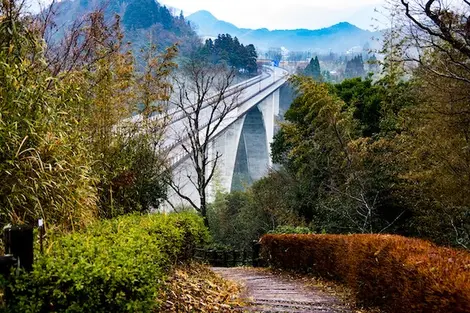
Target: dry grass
[(195, 288)]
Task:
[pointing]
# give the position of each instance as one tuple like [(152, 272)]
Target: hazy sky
[(288, 14), (278, 14)]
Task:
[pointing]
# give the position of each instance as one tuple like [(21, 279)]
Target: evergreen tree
[(313, 69), (141, 14), (231, 51), (373, 64), (250, 59), (165, 18), (355, 67)]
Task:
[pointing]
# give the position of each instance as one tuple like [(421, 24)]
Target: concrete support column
[(269, 107), (226, 144)]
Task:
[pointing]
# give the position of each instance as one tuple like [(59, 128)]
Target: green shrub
[(112, 266), (395, 273), (286, 229), (235, 221)]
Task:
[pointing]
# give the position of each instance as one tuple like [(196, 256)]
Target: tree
[(437, 25), (229, 50), (373, 63), (274, 54), (69, 151), (313, 69), (365, 99), (355, 67), (249, 59), (45, 167), (142, 14), (435, 143), (205, 99), (340, 187), (132, 163)]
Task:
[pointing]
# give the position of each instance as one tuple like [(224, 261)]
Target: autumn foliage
[(394, 273)]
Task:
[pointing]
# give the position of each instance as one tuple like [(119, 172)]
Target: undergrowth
[(195, 288)]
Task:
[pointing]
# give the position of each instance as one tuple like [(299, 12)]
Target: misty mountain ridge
[(340, 37)]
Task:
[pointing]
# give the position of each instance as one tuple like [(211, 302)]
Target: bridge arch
[(252, 158)]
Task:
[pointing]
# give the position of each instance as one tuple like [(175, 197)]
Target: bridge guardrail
[(232, 90), (248, 83), (174, 161)]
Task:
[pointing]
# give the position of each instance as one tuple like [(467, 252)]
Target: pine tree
[(313, 69), (231, 51), (355, 67)]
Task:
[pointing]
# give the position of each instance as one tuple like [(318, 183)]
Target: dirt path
[(266, 292)]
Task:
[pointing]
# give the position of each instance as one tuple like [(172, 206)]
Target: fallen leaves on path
[(195, 288)]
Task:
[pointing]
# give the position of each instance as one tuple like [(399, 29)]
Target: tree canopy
[(227, 49), (355, 67), (313, 69)]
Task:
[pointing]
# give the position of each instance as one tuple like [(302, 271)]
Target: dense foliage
[(68, 153), (234, 220), (313, 69), (355, 67), (44, 167), (393, 273), (230, 50), (371, 156), (115, 265), (143, 14), (384, 156)]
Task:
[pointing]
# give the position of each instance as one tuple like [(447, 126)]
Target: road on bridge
[(251, 92)]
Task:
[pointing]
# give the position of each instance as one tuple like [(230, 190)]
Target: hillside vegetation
[(142, 21), (61, 158)]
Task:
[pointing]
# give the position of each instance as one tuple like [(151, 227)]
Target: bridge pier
[(243, 140), (269, 107), (226, 144)]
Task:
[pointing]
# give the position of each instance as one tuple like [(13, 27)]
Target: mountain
[(341, 37), (140, 20), (207, 25)]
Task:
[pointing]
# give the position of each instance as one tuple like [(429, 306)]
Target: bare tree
[(442, 27), (205, 99)]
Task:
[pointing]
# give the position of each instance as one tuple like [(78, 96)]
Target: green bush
[(235, 221), (112, 266)]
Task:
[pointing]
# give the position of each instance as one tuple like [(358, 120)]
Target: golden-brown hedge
[(395, 273)]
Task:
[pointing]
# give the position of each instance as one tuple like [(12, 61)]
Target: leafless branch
[(204, 101)]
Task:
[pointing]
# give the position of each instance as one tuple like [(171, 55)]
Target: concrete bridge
[(243, 139)]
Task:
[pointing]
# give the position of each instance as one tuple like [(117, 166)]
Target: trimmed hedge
[(113, 266), (394, 273)]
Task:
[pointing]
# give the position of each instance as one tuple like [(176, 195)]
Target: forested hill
[(141, 20), (337, 38)]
